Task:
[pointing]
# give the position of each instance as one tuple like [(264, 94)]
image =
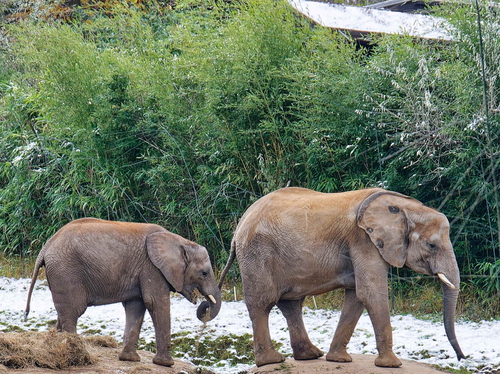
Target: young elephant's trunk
[(209, 309)]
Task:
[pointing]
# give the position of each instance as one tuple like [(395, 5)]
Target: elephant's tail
[(230, 261), (39, 263)]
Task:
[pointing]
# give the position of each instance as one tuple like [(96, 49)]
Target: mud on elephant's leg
[(302, 347), (351, 311), (263, 347), (134, 315)]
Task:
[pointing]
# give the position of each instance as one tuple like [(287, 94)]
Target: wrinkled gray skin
[(96, 262), (296, 242)]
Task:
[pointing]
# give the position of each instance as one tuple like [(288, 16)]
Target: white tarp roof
[(366, 20)]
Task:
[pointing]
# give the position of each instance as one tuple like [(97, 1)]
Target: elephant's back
[(296, 215), (93, 237), (91, 225), (95, 228), (293, 198), (295, 203), (89, 253)]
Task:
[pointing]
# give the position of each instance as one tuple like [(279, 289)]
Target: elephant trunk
[(450, 296), (209, 309)]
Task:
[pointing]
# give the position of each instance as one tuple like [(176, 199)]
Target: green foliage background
[(185, 116)]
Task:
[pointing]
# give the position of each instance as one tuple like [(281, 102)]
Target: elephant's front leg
[(160, 314), (380, 317), (371, 290), (263, 346), (375, 301), (351, 311), (302, 347), (134, 315)]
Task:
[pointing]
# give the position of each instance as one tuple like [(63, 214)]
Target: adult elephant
[(296, 242), (95, 262)]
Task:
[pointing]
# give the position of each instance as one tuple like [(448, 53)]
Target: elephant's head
[(186, 266), (407, 233)]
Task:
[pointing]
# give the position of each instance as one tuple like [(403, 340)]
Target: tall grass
[(186, 116), (17, 267)]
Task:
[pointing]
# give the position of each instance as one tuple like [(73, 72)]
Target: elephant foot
[(129, 356), (270, 356), (163, 360), (388, 360), (339, 356), (307, 353)]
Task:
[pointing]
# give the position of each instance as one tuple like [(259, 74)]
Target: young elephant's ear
[(382, 216), (167, 253)]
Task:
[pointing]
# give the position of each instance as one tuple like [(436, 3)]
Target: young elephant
[(296, 242), (95, 262)]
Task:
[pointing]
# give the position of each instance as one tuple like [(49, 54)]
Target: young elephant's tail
[(230, 261), (39, 263)]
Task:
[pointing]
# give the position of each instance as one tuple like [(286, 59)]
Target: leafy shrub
[(185, 115)]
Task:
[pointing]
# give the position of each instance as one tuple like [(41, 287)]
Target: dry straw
[(43, 349)]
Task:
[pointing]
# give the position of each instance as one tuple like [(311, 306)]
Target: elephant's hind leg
[(134, 315), (302, 347), (263, 347), (68, 311), (351, 311)]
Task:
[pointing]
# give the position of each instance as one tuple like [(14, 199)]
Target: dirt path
[(99, 355), (107, 363), (362, 364)]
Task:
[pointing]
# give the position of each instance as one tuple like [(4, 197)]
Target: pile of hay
[(49, 349)]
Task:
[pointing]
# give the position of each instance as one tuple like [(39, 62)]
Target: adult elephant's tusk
[(445, 280), (212, 299)]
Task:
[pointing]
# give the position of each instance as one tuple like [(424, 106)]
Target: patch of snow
[(415, 339), (367, 20)]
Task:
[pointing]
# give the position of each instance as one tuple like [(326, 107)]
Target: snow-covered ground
[(417, 339)]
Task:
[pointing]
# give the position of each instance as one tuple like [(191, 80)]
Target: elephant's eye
[(431, 246), (204, 273)]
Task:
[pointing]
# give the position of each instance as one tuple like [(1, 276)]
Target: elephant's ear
[(382, 215), (167, 253)]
